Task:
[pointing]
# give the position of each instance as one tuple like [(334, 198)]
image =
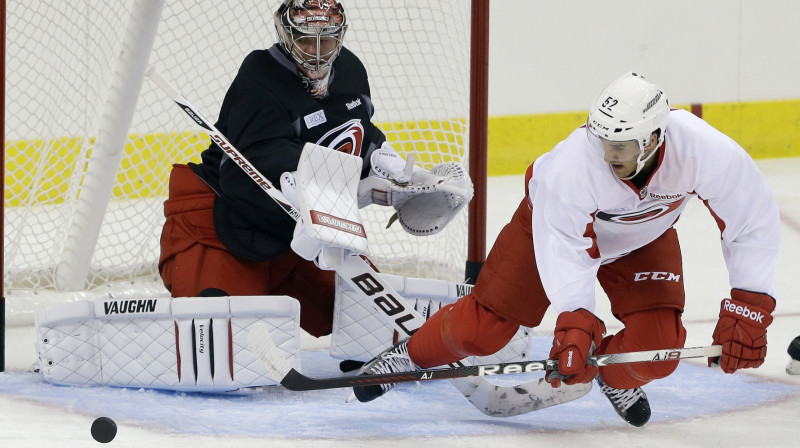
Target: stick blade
[(263, 347), (508, 401)]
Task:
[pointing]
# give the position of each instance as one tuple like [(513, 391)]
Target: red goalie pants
[(193, 259), (645, 288)]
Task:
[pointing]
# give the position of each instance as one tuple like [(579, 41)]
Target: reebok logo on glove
[(569, 358), (743, 311), (742, 330)]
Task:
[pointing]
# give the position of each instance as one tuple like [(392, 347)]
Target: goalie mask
[(630, 108), (311, 33)]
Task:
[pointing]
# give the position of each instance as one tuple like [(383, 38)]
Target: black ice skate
[(393, 359), (349, 365), (793, 368), (630, 404)]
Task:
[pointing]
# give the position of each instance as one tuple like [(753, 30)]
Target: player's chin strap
[(640, 163), (390, 306)]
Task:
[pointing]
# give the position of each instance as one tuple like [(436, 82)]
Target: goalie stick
[(262, 345), (490, 399)]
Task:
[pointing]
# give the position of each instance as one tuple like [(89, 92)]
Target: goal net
[(90, 142)]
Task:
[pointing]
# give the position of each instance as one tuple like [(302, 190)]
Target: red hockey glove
[(742, 330), (576, 334)]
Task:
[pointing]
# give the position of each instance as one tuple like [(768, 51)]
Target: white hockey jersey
[(585, 216)]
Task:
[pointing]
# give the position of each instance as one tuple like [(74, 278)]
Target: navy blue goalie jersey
[(268, 115)]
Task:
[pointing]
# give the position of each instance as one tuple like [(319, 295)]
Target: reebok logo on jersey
[(315, 119), (353, 104), (665, 196), (743, 311)]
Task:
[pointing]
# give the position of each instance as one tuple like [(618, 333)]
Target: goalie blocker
[(324, 191)]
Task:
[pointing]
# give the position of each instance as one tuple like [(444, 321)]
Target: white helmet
[(630, 108), (321, 22)]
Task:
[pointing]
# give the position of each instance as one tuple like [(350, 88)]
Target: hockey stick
[(485, 396), (262, 345)]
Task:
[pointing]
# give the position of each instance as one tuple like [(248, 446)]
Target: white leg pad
[(359, 334), (192, 344)]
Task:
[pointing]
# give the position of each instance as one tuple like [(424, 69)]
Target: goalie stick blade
[(508, 401), (263, 347)]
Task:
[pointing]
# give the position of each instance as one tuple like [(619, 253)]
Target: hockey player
[(601, 205), (223, 235)]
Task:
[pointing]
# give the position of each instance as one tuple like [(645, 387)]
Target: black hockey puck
[(104, 430), (794, 349)]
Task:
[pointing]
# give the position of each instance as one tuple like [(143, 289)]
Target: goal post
[(89, 142), (98, 182), (478, 138)]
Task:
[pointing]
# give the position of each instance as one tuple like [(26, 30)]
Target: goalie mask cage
[(89, 142)]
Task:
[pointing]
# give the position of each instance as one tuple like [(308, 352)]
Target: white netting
[(61, 67)]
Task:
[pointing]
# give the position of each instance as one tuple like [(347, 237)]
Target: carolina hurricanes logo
[(641, 216), (345, 138)]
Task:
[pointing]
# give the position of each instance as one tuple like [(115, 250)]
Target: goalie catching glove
[(425, 201)]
